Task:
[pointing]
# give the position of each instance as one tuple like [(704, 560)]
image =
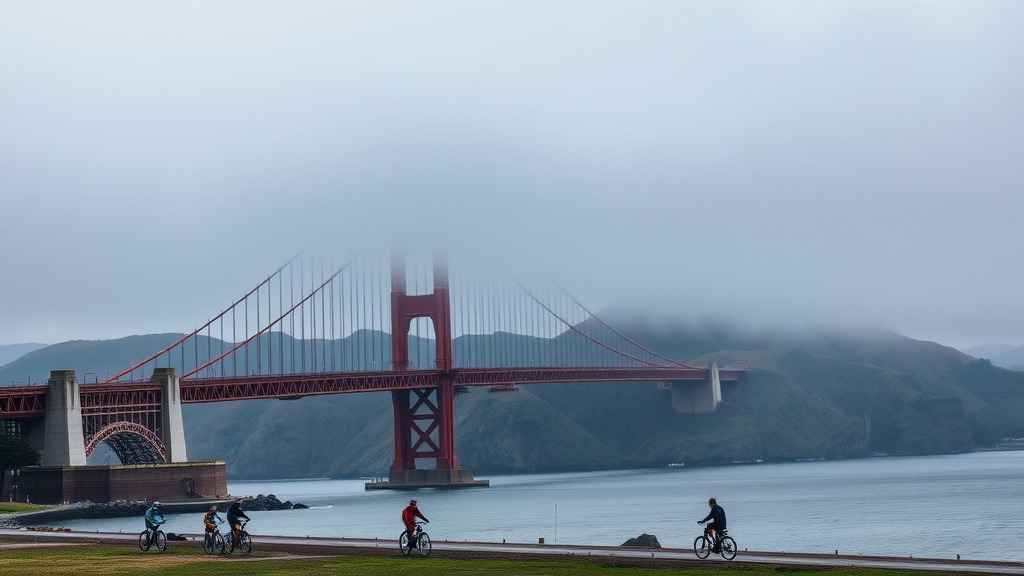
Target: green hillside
[(820, 394)]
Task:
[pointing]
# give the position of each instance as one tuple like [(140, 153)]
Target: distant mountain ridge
[(11, 352), (1003, 355), (821, 393)]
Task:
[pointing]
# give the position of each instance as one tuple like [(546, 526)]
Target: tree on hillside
[(15, 453)]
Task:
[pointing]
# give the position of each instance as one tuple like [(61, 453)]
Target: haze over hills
[(1003, 355), (11, 352), (822, 393)]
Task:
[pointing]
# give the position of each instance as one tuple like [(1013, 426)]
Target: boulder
[(643, 541)]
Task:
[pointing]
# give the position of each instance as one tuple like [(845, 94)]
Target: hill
[(816, 394)]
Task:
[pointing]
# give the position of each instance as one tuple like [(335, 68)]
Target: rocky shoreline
[(123, 508)]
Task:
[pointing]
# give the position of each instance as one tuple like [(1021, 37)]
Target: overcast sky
[(794, 162)]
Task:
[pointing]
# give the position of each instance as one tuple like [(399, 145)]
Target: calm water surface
[(937, 507)]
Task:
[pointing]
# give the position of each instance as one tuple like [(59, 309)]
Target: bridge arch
[(133, 443)]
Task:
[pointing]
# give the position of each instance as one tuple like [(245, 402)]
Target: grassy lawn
[(88, 560), (12, 507)]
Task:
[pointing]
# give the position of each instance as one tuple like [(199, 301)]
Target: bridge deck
[(30, 401)]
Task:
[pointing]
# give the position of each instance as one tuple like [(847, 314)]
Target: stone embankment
[(122, 508)]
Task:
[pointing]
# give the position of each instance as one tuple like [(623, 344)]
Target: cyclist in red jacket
[(409, 516)]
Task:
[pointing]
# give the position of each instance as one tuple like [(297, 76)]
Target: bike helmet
[(156, 504)]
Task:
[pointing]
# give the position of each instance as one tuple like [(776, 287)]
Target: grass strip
[(105, 560)]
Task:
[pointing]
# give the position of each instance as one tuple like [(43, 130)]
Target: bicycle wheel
[(209, 545), (423, 544), (702, 547), (728, 547), (144, 540), (218, 542), (245, 543), (403, 543), (160, 539)]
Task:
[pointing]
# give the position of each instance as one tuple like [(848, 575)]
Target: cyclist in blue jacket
[(717, 525), (154, 518)]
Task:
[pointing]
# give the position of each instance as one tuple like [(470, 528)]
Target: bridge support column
[(424, 418), (424, 429), (63, 438), (698, 397), (172, 429)]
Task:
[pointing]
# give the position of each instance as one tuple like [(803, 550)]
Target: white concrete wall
[(172, 433), (64, 439)]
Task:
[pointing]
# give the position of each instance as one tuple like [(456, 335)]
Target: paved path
[(321, 546)]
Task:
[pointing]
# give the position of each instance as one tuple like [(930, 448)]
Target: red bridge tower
[(424, 417)]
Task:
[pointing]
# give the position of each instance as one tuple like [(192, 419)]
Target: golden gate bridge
[(401, 322)]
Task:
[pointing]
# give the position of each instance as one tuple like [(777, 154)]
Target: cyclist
[(154, 518), (717, 525), (210, 521), (409, 516), (234, 513)]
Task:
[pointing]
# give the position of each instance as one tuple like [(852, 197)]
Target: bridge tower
[(63, 439), (424, 418)]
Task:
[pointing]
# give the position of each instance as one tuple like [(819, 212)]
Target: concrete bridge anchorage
[(148, 438)]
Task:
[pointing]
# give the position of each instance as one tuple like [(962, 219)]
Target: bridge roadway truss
[(18, 402)]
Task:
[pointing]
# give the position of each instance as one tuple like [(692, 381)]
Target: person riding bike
[(717, 525), (234, 513), (210, 521), (409, 515), (154, 518)]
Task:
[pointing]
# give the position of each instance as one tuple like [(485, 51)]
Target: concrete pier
[(64, 439), (415, 479), (698, 397), (173, 432)]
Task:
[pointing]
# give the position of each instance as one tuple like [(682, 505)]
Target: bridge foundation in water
[(415, 479)]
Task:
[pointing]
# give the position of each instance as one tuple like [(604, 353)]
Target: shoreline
[(124, 509)]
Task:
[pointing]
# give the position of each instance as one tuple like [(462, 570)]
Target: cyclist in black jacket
[(717, 525), (234, 513)]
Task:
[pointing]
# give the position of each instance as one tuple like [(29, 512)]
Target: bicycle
[(241, 540), (422, 541), (158, 538), (704, 544), (213, 542)]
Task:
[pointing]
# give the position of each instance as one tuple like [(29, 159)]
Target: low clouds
[(796, 162)]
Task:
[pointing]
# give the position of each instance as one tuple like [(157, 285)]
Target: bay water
[(924, 506)]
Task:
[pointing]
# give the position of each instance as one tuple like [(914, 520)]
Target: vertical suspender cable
[(376, 357), (259, 346), (333, 319), (221, 363), (291, 319), (302, 316), (280, 310), (362, 309)]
